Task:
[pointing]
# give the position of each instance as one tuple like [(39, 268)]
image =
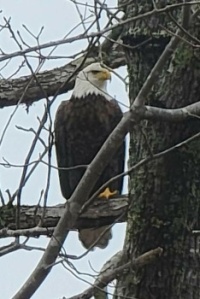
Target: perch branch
[(100, 213)]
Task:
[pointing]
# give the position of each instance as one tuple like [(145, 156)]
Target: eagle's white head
[(92, 80)]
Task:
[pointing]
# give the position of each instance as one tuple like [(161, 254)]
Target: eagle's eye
[(94, 72)]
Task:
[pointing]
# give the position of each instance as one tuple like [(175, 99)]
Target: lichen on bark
[(164, 193)]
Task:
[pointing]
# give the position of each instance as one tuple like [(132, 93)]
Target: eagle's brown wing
[(65, 151), (62, 147), (116, 166)]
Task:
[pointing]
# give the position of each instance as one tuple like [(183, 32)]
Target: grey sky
[(58, 18)]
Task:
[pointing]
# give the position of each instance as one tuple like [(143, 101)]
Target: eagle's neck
[(83, 88)]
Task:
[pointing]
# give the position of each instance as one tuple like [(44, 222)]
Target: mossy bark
[(164, 194)]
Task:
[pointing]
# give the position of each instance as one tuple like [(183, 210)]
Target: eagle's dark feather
[(81, 127)]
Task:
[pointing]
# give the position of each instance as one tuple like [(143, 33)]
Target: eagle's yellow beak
[(104, 75)]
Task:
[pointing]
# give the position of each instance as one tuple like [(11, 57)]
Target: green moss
[(183, 56)]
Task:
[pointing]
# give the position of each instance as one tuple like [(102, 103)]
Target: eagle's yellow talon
[(107, 193)]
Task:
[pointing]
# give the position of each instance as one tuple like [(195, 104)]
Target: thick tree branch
[(51, 82), (100, 213), (172, 115)]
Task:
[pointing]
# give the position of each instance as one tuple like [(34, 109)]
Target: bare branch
[(9, 248), (100, 213), (111, 269), (172, 115), (95, 34)]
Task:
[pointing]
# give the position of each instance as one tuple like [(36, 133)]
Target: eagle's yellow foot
[(107, 193)]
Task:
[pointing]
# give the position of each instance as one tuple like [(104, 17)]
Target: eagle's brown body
[(81, 127)]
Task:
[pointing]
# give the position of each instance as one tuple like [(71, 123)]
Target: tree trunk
[(165, 193)]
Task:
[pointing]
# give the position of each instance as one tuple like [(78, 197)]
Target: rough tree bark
[(166, 192), (99, 213)]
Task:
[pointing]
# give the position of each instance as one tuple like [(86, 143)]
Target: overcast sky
[(58, 17)]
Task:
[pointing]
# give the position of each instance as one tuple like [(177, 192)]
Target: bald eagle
[(82, 125)]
